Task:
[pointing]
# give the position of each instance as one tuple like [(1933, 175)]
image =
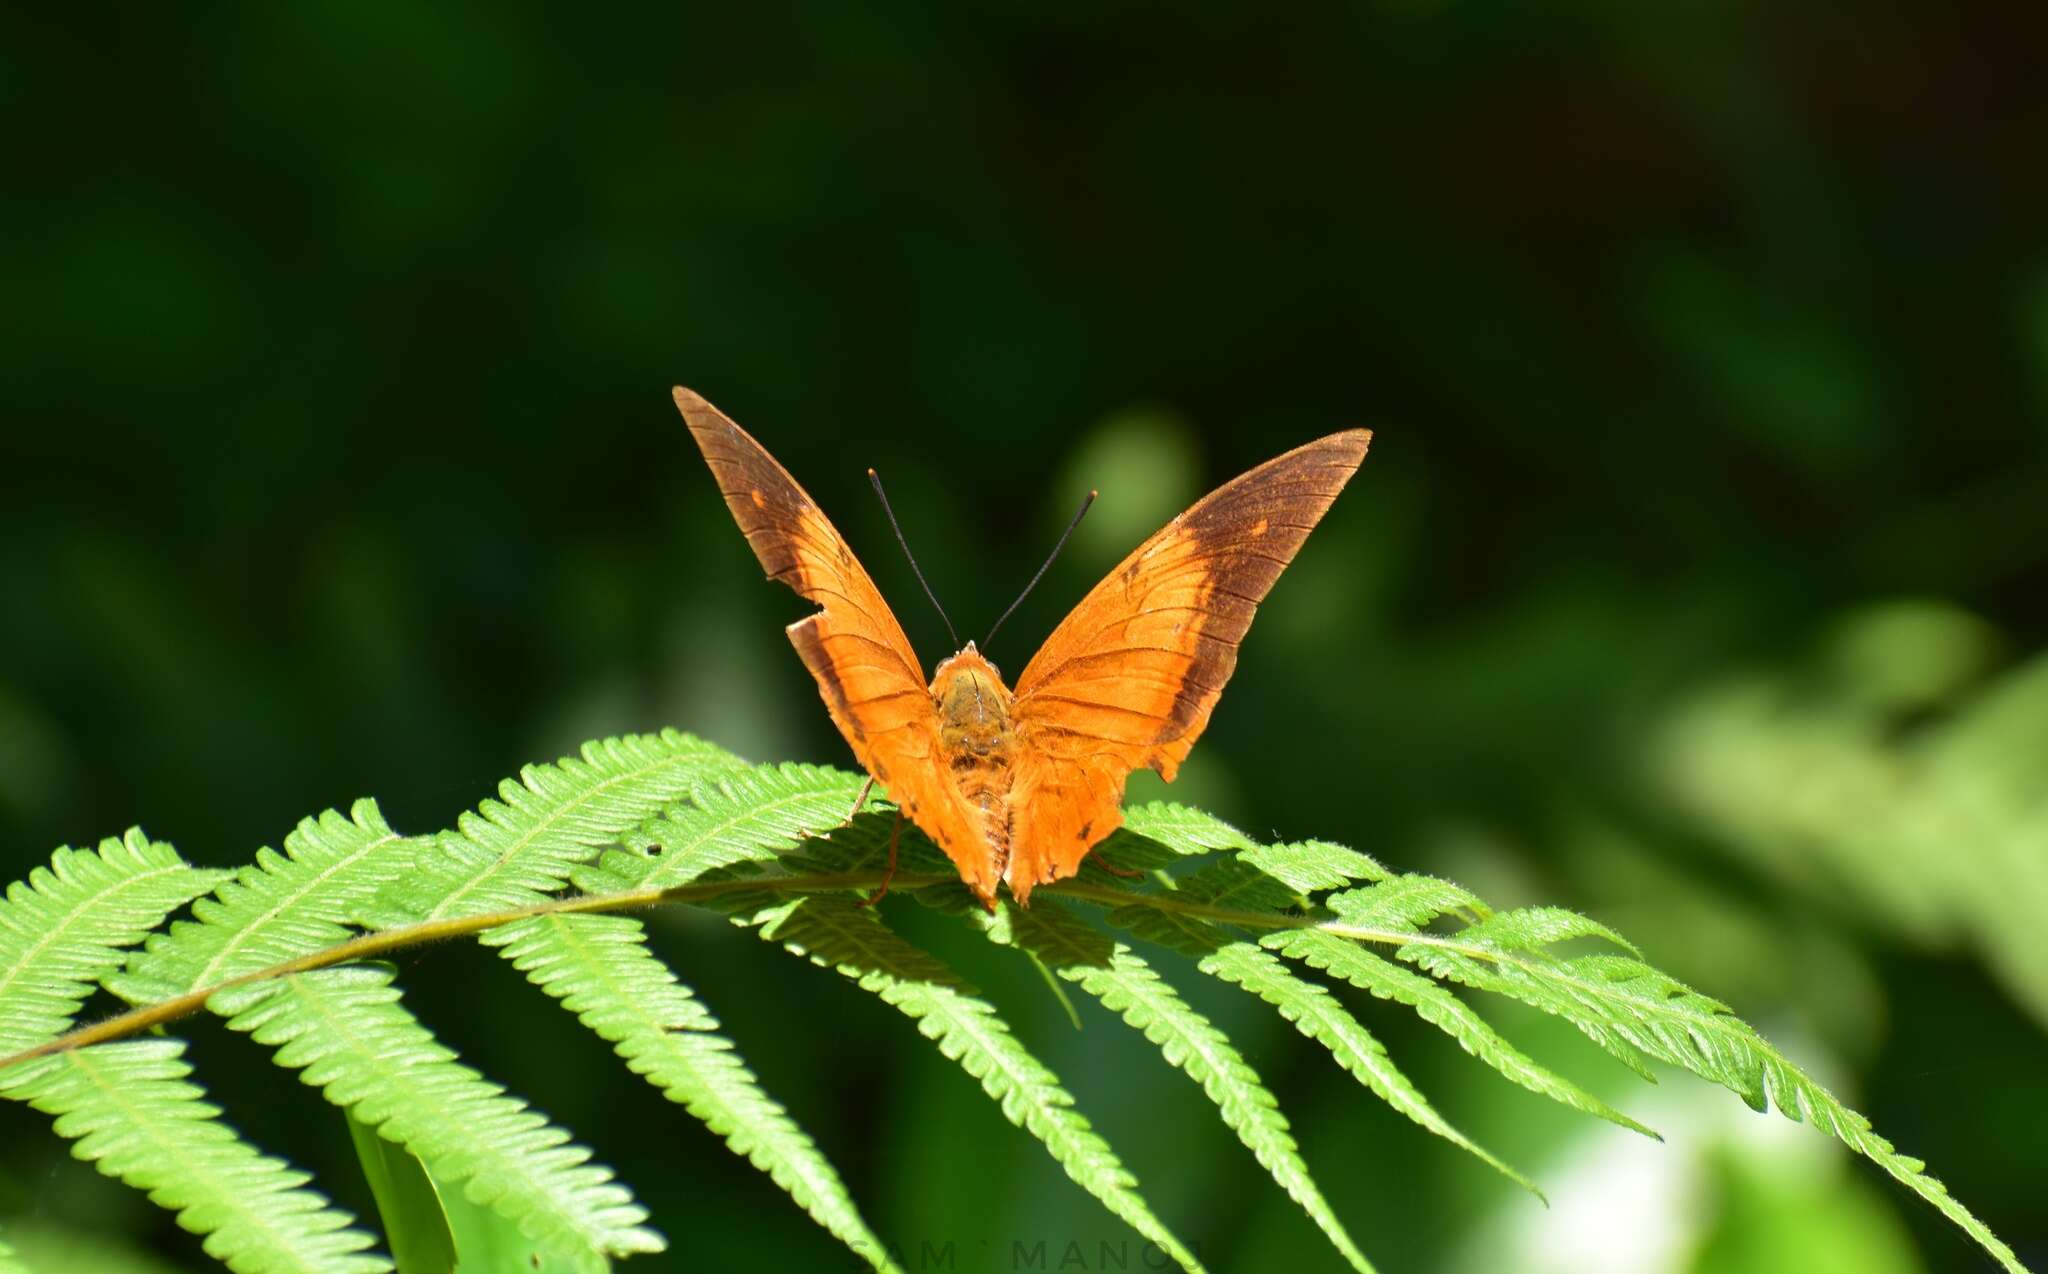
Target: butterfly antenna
[(1078, 515), (876, 478)]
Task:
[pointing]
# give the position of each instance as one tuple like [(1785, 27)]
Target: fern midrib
[(241, 936), (400, 937), (79, 914), (422, 932), (194, 1169)]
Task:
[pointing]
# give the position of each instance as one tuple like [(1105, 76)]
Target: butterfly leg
[(889, 872), (1128, 873), (859, 801)]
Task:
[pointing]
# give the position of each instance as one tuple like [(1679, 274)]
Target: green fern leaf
[(837, 933), (1183, 829), (62, 929), (285, 905), (136, 1119), (345, 1028), (1312, 866), (1632, 1010), (1312, 1009), (1533, 927), (602, 971), (1403, 904), (1439, 1006), (744, 815), (1127, 986), (1272, 877), (514, 851)]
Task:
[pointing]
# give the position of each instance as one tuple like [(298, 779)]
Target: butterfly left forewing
[(1129, 678), (864, 665)]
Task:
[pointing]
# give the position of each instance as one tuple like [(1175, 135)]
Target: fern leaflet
[(62, 929), (283, 905), (515, 851), (745, 815), (1404, 903), (837, 933), (1440, 1007), (1127, 986), (1311, 1008), (1631, 1010), (1184, 829), (347, 1031), (602, 971), (136, 1119)]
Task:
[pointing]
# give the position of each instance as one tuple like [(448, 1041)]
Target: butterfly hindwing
[(866, 670), (1129, 678)]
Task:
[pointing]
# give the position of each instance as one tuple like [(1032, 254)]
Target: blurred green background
[(1698, 577)]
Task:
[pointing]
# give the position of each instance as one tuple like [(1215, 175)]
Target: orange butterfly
[(1018, 785)]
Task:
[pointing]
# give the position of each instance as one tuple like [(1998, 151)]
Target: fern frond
[(1127, 986), (1312, 1009), (284, 905), (63, 929), (837, 933), (670, 818), (745, 815), (514, 851), (1438, 1005), (346, 1029), (1632, 1011), (136, 1119), (602, 971)]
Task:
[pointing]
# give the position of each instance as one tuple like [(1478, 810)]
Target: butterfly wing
[(1130, 677), (865, 669)]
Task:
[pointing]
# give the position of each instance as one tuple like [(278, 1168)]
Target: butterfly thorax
[(974, 709), (976, 741)]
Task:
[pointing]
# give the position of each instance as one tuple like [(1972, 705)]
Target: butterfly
[(1016, 785)]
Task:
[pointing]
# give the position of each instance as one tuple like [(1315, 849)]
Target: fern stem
[(384, 941)]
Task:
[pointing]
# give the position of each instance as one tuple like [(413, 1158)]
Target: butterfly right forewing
[(1129, 678)]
